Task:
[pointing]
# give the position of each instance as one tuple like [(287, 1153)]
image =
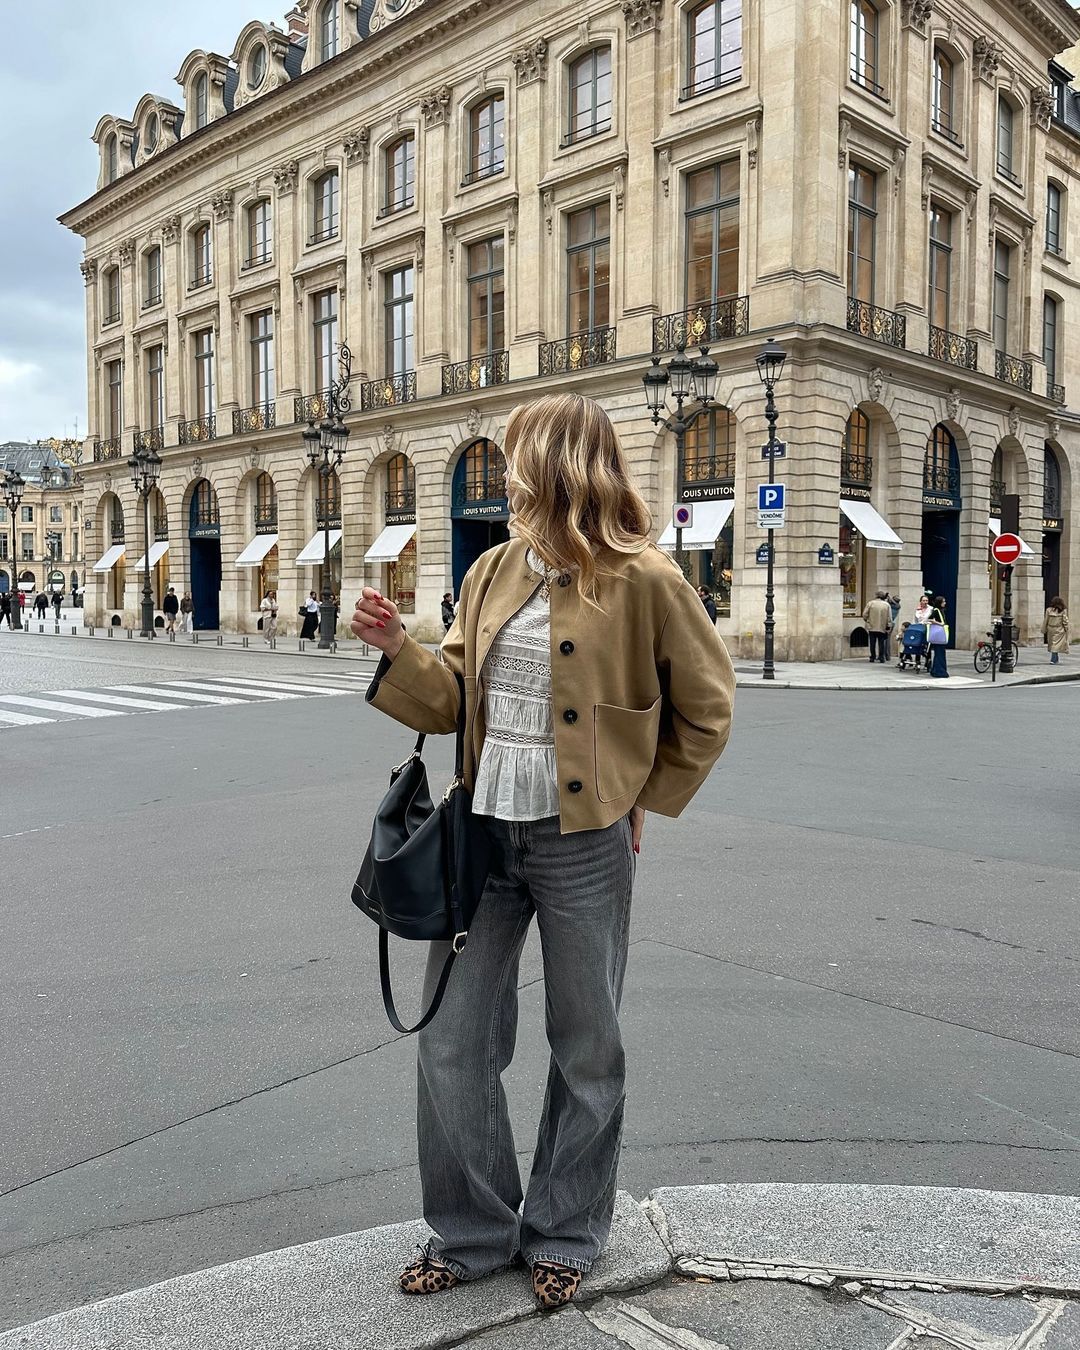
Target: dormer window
[(151, 134), (112, 159), (257, 67), (329, 32), (201, 92)]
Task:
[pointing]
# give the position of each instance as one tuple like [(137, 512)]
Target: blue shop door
[(941, 560), (206, 583)]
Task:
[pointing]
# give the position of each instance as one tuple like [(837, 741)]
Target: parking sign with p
[(771, 503)]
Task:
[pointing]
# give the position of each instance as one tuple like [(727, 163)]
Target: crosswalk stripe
[(220, 689), (280, 684), (177, 693), (97, 696), (52, 705), (15, 719)]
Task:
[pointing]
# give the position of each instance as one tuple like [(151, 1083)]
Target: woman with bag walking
[(595, 688), (1055, 629), (939, 636)]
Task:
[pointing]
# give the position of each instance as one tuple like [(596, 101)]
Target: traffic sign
[(770, 496), (1006, 549), (682, 516)]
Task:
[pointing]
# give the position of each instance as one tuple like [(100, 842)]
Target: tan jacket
[(1056, 630), (878, 616), (642, 692)]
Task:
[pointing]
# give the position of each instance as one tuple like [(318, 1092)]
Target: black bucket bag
[(424, 871)]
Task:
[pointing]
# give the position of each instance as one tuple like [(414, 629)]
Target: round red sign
[(1006, 549)]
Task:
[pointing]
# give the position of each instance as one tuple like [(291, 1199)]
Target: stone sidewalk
[(740, 1267)]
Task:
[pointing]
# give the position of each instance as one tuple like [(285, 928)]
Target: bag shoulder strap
[(388, 994), (459, 748)]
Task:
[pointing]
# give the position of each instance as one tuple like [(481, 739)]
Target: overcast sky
[(63, 64)]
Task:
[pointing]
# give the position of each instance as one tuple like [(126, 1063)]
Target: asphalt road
[(855, 959)]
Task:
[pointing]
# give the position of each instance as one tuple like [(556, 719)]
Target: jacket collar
[(514, 582)]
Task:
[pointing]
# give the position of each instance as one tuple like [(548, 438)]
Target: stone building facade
[(42, 548), (486, 201)]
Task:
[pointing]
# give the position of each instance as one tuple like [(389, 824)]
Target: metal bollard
[(273, 644), (109, 631), (172, 637), (245, 640), (58, 629), (220, 640), (333, 647), (90, 629), (195, 637), (130, 633), (300, 646), (74, 631)]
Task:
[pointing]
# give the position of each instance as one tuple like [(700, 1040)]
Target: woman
[(310, 611), (1056, 629), (269, 610), (595, 688), (187, 613), (938, 666), (923, 610), (710, 604)]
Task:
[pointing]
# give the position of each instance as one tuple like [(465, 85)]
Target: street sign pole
[(1010, 525), (768, 670)]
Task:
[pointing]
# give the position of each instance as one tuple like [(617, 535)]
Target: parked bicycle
[(988, 654)]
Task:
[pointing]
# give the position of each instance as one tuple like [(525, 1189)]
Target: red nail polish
[(380, 625), (637, 848)]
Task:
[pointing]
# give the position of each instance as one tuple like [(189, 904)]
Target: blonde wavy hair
[(570, 488)]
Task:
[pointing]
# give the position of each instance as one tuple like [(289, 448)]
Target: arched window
[(399, 162), (260, 233), (329, 32), (112, 159), (204, 505), (590, 96), (201, 92), (713, 46), (997, 480), (112, 296), (487, 138), (201, 269), (327, 201), (1006, 124), (1051, 485), (943, 95), (484, 479), (150, 135), (400, 484), (941, 468), (257, 66), (865, 46), (328, 500), (265, 504), (709, 449), (152, 276), (1051, 342), (856, 463)]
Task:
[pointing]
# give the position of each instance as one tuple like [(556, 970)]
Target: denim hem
[(573, 1263)]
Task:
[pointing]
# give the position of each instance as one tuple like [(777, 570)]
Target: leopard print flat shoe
[(554, 1285), (427, 1274)]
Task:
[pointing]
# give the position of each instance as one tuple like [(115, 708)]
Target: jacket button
[(564, 578), (575, 786), (567, 648), (570, 715)]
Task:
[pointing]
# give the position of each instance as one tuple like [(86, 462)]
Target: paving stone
[(569, 1330), (769, 1315), (988, 1317), (937, 1233), (339, 1294), (1065, 1332)]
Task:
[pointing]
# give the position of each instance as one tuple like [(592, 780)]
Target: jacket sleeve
[(698, 684), (418, 688)]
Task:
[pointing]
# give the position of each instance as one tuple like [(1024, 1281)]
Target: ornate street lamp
[(13, 491), (325, 447), (145, 471), (770, 366)]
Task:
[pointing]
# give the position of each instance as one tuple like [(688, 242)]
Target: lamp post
[(325, 446), (770, 366), (684, 377), (13, 491), (145, 469)]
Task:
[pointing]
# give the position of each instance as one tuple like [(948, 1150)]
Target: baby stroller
[(914, 647)]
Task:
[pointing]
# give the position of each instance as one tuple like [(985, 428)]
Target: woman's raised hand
[(376, 621)]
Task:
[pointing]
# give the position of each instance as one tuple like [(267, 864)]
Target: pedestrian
[(310, 610), (447, 611), (579, 623), (923, 609), (708, 602), (22, 599), (57, 602), (41, 604), (894, 619), (938, 666), (1056, 629), (187, 613), (269, 616), (5, 608), (878, 619), (170, 607)]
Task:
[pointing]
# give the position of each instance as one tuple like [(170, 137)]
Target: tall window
[(712, 233), (201, 268), (112, 296), (328, 499), (865, 38), (943, 94), (400, 160), (56, 515), (1051, 314), (398, 320), (487, 138), (709, 448), (325, 329), (862, 232), (855, 462), (153, 276), (590, 95), (329, 33), (112, 159), (487, 332), (260, 233), (204, 373), (1002, 286), (940, 267), (588, 268), (1006, 119), (714, 46), (114, 394), (202, 101), (265, 501), (155, 387), (485, 472), (261, 338), (327, 200), (151, 134), (1053, 218), (400, 484), (3, 545), (28, 548)]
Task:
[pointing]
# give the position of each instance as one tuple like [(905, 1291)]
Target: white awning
[(257, 550), (158, 549), (709, 520), (876, 532), (108, 560), (315, 548), (387, 548), (995, 529)]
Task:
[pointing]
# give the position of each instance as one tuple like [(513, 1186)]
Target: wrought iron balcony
[(1051, 501), (702, 324), (880, 325), (112, 317), (202, 279), (116, 531), (483, 171), (198, 429), (948, 133), (576, 136), (865, 81), (107, 449), (391, 208), (997, 493), (1012, 370), (707, 86), (1055, 391), (710, 469), (154, 298), (328, 515), (154, 439), (388, 392), (491, 488), (257, 259), (951, 347), (259, 417), (856, 469), (400, 499), (1007, 173), (476, 373), (324, 232), (205, 512), (593, 348), (311, 407), (266, 519), (941, 480), (161, 528)]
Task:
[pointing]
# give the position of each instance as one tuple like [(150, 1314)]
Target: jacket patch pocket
[(624, 744)]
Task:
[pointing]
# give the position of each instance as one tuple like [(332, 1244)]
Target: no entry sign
[(1006, 549)]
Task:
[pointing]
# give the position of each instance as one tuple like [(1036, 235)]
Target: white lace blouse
[(517, 778)]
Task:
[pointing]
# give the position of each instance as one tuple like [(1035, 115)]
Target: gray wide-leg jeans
[(579, 888)]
